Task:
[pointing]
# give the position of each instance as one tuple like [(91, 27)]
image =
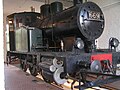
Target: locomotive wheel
[(114, 70), (33, 70), (23, 66), (45, 79)]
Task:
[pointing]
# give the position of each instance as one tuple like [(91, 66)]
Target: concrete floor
[(16, 79)]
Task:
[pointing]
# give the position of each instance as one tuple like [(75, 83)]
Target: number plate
[(94, 15)]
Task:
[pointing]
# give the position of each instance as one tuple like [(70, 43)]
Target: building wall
[(111, 10)]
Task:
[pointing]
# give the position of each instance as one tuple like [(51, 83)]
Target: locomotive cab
[(23, 35)]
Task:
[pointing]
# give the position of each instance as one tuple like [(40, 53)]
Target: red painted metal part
[(102, 57)]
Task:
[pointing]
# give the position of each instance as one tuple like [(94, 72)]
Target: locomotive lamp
[(79, 43), (113, 43)]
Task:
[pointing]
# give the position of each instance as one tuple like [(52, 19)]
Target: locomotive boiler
[(67, 46), (83, 22)]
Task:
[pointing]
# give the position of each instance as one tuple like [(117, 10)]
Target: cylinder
[(45, 10), (47, 75), (56, 7)]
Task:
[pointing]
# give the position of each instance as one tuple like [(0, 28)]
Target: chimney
[(75, 2), (32, 9)]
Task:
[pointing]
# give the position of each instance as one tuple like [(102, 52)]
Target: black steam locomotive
[(60, 44)]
